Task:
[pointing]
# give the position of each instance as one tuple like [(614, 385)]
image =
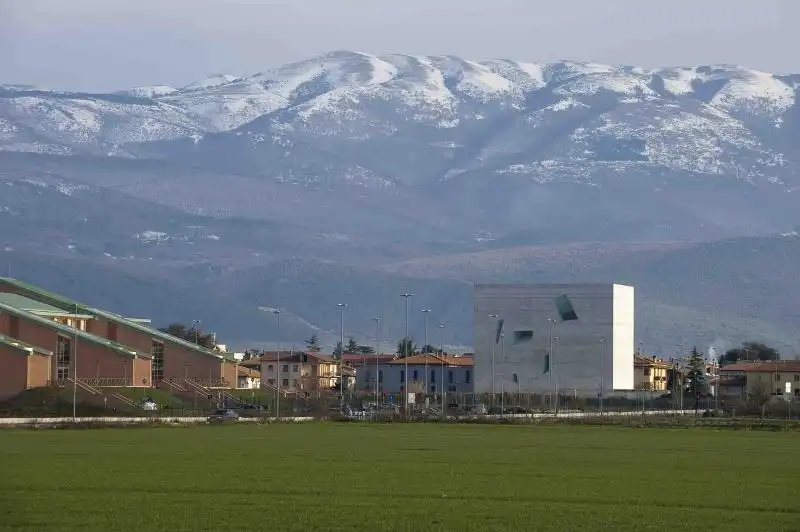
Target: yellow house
[(296, 371), (649, 373), (777, 378)]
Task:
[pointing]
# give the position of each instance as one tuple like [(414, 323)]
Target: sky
[(104, 45)]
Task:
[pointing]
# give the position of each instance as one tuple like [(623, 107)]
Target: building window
[(515, 378), (157, 352), (294, 383), (468, 376), (777, 376), (380, 376), (270, 368), (415, 376), (646, 372), (367, 376), (450, 376), (402, 376), (433, 375), (797, 378), (797, 392), (433, 388), (271, 382), (285, 382), (63, 356), (778, 391), (295, 368), (286, 368)]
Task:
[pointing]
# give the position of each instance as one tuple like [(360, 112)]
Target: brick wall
[(14, 374)]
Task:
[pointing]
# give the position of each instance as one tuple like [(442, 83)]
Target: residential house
[(369, 370), (777, 378), (427, 373), (299, 372), (650, 373)]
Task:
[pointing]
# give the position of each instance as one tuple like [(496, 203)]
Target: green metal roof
[(31, 305), (70, 305), (71, 331), (7, 340)]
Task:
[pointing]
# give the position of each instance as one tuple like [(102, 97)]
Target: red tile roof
[(435, 360), (792, 366)]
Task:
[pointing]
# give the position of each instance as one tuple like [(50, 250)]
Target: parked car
[(223, 416), (148, 405)]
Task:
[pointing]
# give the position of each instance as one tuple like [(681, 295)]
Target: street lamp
[(377, 360), (341, 306), (425, 377), (406, 348), (441, 377), (494, 317), (551, 362), (277, 314), (196, 325), (602, 372)]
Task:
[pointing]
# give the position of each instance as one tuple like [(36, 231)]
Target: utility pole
[(406, 348), (196, 325)]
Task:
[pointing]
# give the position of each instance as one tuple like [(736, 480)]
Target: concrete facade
[(596, 348)]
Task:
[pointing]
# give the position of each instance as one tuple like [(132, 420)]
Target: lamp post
[(407, 346), (551, 362), (493, 317), (377, 361), (341, 306), (75, 368), (555, 380), (277, 314), (602, 371), (425, 376), (441, 377), (196, 326)]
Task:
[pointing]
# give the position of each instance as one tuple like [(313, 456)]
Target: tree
[(337, 351), (365, 350), (193, 335), (426, 349), (696, 372), (406, 347), (312, 344), (750, 351), (351, 347)]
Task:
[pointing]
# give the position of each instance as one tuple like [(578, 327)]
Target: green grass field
[(326, 477)]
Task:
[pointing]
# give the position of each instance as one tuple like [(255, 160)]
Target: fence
[(258, 403)]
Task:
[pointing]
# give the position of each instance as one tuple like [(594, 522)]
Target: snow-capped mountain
[(353, 161), (451, 116)]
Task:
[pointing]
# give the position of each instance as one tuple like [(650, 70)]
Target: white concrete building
[(592, 347)]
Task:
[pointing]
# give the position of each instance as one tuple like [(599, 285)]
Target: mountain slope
[(351, 177)]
